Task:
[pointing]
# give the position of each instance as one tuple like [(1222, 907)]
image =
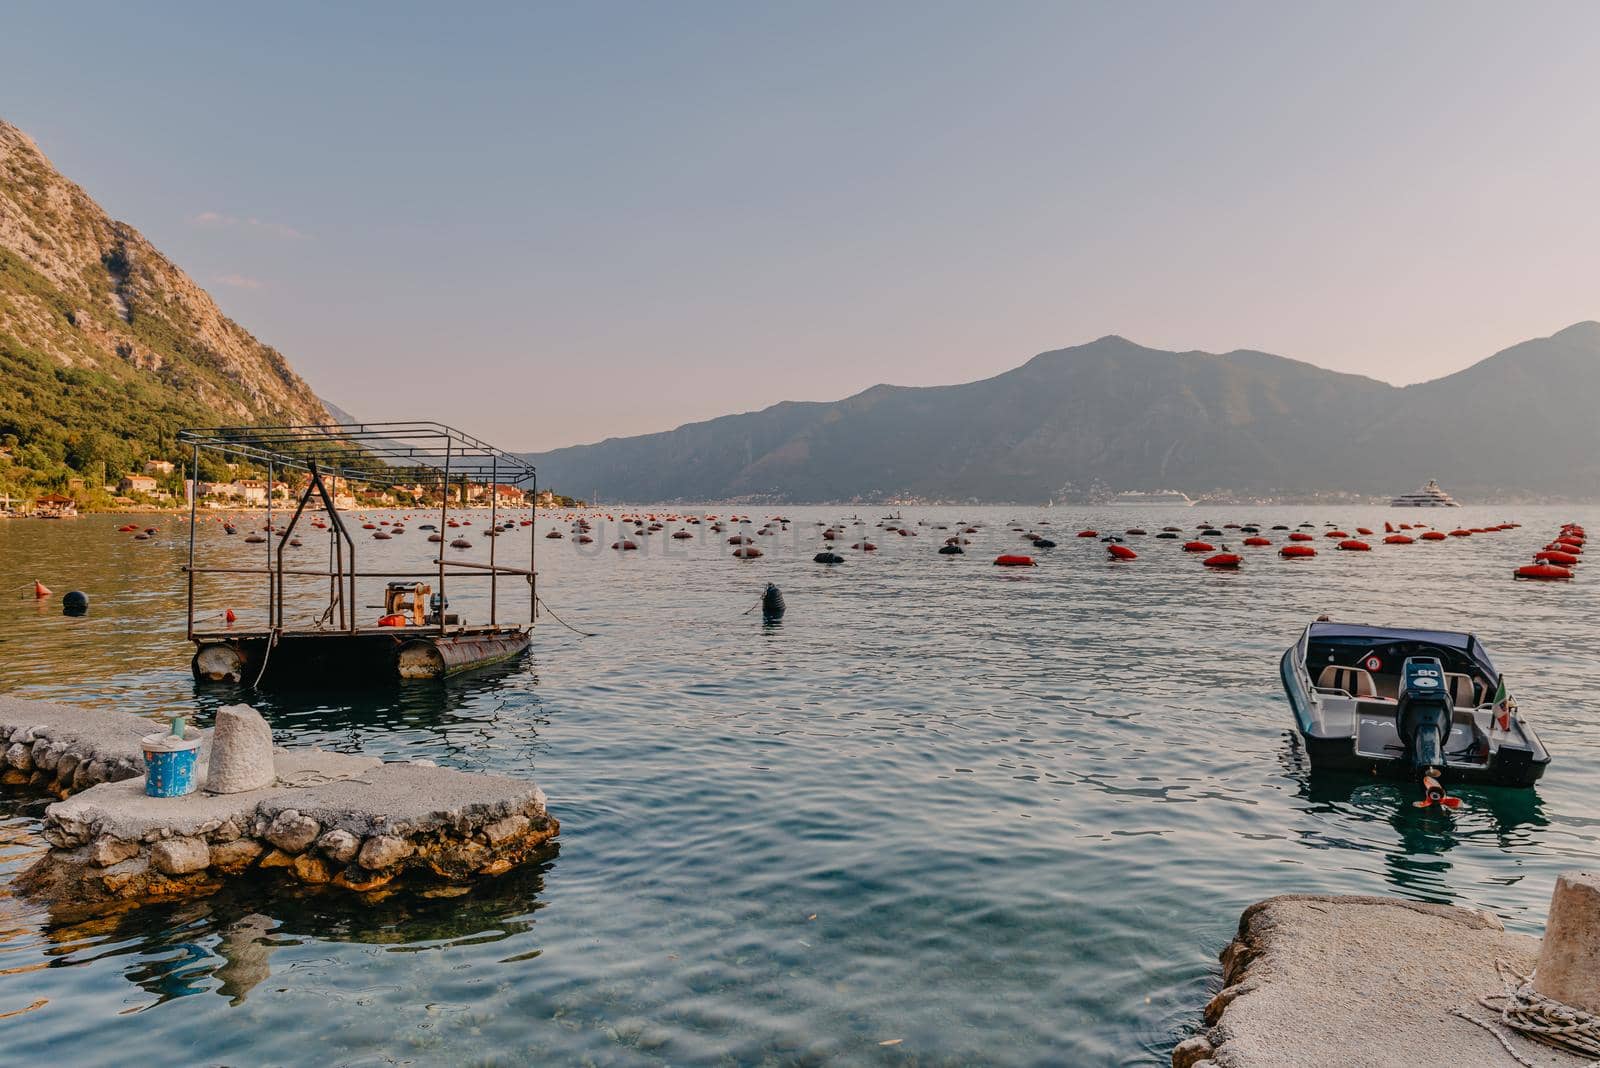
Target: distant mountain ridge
[(106, 346), (1124, 416)]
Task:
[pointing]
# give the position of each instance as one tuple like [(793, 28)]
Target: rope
[(1525, 1011), (564, 623), (265, 657)]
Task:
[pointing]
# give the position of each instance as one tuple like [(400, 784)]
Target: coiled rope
[(1527, 1012)]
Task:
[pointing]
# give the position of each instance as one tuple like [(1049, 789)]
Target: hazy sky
[(624, 217)]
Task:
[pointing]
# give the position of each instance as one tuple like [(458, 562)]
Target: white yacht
[(1170, 498), (1429, 496)]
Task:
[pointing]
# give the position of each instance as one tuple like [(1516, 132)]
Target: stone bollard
[(241, 752), (1569, 958)]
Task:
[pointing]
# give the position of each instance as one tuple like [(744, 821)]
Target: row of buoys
[(1556, 561)]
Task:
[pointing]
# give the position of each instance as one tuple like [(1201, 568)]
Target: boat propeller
[(1433, 794)]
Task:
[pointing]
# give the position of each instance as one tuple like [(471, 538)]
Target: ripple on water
[(984, 816)]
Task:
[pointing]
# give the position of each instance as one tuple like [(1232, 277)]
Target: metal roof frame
[(391, 454)]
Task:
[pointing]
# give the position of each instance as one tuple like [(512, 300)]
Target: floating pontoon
[(417, 635)]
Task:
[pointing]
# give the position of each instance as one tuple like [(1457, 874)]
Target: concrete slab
[(109, 734), (1361, 981), (121, 810)]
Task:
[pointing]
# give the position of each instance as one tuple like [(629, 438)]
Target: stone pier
[(331, 819), (1315, 980)]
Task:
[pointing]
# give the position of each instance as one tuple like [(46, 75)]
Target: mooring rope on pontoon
[(1529, 1013), (564, 623)]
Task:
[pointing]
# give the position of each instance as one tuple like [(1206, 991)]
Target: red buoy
[(1223, 560), (1365, 532), (1433, 535), (1399, 539), (1543, 572), (747, 552), (1088, 533), (1292, 551), (1458, 533), (1555, 556), (40, 590), (230, 617), (1013, 560), (1198, 547), (1336, 534), (1258, 541), (623, 544), (1121, 552), (1300, 535), (1353, 545)]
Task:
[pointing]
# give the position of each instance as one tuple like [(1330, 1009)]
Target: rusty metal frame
[(392, 454)]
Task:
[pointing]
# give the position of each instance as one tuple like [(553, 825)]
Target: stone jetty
[(319, 818), (1313, 980)]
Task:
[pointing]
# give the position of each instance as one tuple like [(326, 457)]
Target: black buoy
[(826, 557), (75, 603), (951, 550), (772, 606), (1043, 543)]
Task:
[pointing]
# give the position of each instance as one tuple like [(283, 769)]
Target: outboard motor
[(1423, 719)]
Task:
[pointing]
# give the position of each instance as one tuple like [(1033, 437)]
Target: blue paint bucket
[(170, 763)]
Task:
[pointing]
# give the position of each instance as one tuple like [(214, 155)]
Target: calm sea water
[(944, 813)]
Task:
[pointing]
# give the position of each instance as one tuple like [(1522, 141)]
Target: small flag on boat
[(1503, 705)]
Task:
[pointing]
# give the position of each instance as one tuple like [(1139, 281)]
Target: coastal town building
[(159, 467), (136, 484)]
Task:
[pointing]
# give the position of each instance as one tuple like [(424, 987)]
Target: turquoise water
[(988, 816)]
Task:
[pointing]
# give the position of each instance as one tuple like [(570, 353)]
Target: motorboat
[(1420, 704)]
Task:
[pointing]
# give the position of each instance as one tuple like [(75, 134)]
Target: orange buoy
[(1336, 534), (1014, 560), (1292, 551), (1223, 560), (1088, 533), (1433, 535), (1300, 535), (1398, 539), (1198, 547), (1121, 552), (1459, 533), (1545, 572), (396, 620), (1353, 545), (40, 590), (1554, 556), (1258, 541), (1365, 532)]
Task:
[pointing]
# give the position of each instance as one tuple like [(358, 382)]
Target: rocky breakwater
[(64, 749), (319, 818), (1313, 980)]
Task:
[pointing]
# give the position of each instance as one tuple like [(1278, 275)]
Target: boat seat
[(1357, 682), (1463, 691)]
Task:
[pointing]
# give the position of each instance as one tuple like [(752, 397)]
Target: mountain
[(106, 346), (1129, 417)]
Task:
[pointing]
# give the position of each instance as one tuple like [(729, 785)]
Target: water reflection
[(226, 943), (1417, 841)]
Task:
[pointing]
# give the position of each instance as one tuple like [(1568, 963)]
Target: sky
[(553, 223)]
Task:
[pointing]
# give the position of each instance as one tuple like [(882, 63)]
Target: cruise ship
[(1429, 496), (1170, 498)]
